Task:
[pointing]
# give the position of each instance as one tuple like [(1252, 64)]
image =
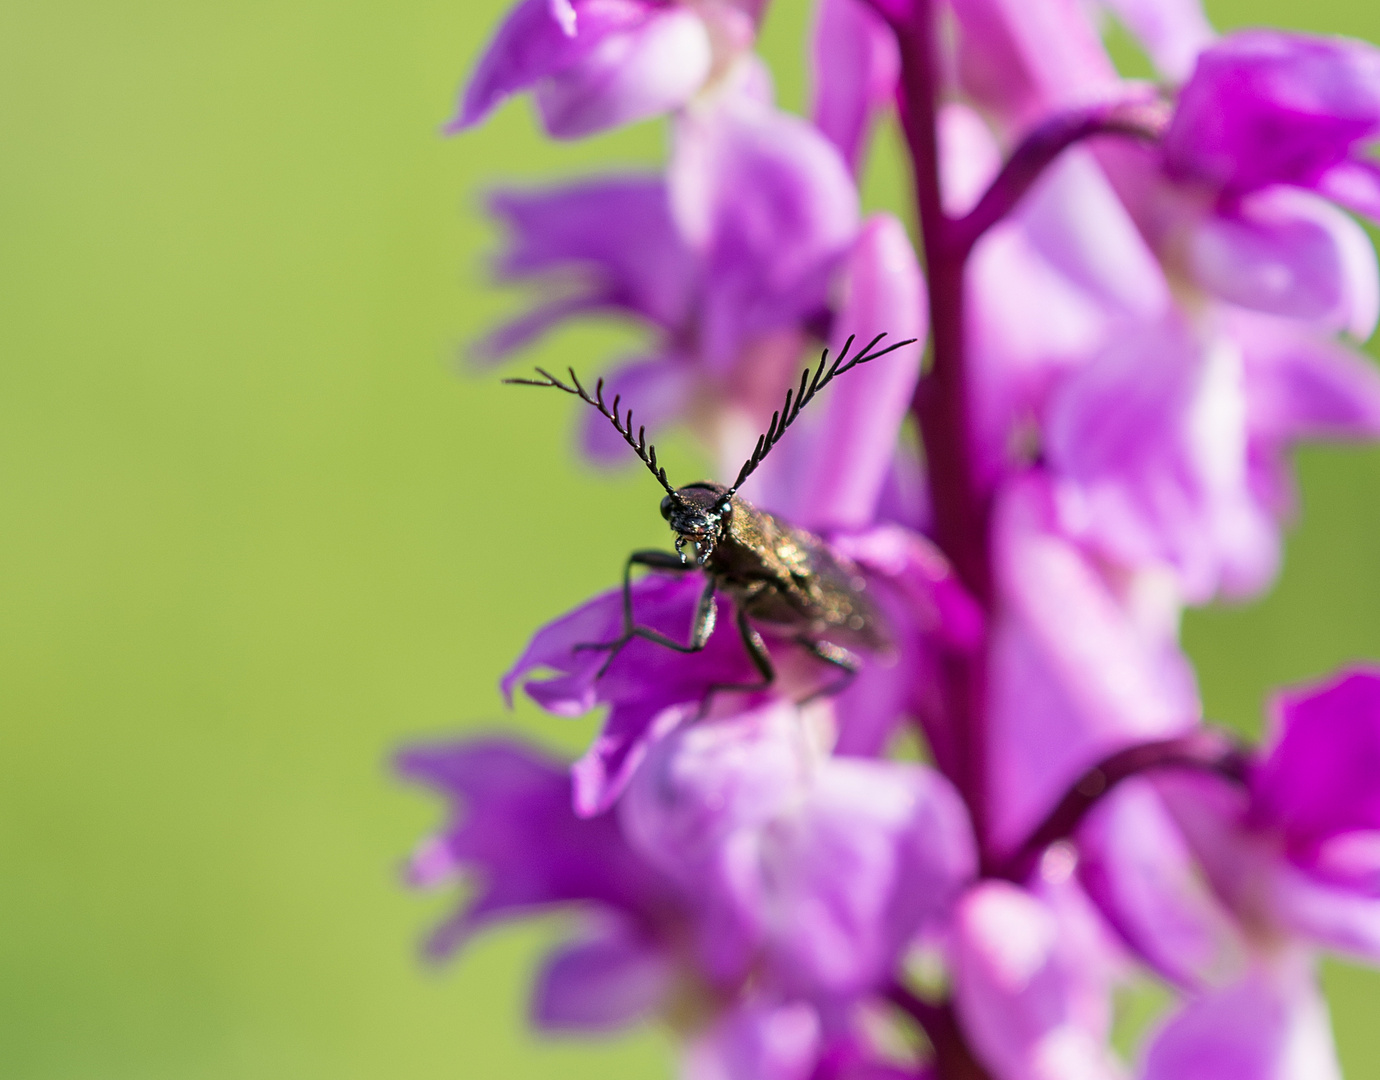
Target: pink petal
[(1079, 668), (601, 984), (1290, 254), (1270, 1026), (769, 203), (852, 442), (856, 67), (1172, 32), (1031, 1006), (1144, 877), (756, 1042), (539, 39), (651, 69), (1022, 58)]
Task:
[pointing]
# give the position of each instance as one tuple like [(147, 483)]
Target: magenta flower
[(1164, 430), (928, 756), (512, 823), (1224, 890), (751, 245), (1079, 670), (596, 64), (868, 855), (652, 691), (1265, 107), (1033, 976), (1269, 1026), (856, 68)]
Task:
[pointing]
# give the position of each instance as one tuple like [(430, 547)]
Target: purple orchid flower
[(652, 690), (767, 836), (597, 64), (1225, 891), (1033, 973), (1020, 61), (1272, 1025), (856, 68), (1291, 857), (749, 246), (1165, 433), (1082, 663), (1128, 338), (1266, 121), (1265, 107)]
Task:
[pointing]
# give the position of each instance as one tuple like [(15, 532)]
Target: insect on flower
[(779, 577)]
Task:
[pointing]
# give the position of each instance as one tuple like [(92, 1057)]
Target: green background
[(258, 530)]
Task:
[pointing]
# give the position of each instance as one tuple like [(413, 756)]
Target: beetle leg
[(847, 662), (705, 611), (757, 653)]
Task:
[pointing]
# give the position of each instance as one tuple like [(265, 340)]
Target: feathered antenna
[(641, 447), (798, 397)]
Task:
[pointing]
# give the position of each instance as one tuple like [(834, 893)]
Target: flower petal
[(1290, 254), (614, 235), (856, 67), (643, 683), (1172, 32), (756, 1042), (1138, 868), (769, 204), (1021, 59), (643, 72), (1150, 446), (1322, 776), (1079, 668), (815, 871), (1032, 1007), (513, 827), (848, 447), (1267, 1027), (1267, 107), (659, 389), (538, 39), (1300, 386), (1354, 184), (601, 983)]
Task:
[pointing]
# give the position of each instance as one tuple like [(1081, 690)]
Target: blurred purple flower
[(1265, 107), (1020, 60), (1165, 431), (766, 822), (1272, 1025), (597, 64), (855, 67), (1083, 662), (1296, 854), (1225, 891), (511, 823), (751, 245), (1032, 982)]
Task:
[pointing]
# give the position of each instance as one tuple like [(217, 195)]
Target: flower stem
[(961, 507), (953, 1060), (1138, 117), (1204, 750)]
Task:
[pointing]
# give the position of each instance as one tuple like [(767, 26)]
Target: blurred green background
[(257, 531)]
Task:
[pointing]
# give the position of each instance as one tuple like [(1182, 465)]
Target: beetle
[(779, 577)]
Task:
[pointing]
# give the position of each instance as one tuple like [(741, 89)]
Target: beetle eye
[(666, 508)]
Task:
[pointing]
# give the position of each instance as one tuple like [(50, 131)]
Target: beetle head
[(698, 515)]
